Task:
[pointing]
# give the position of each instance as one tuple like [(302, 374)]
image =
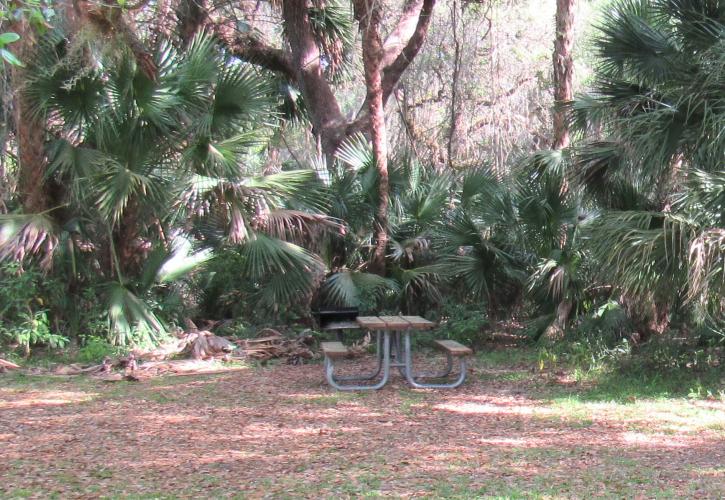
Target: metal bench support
[(411, 377)]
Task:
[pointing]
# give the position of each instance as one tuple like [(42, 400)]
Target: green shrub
[(24, 312), (673, 351), (96, 349), (464, 323)]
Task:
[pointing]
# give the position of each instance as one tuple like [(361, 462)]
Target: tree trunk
[(29, 131), (369, 14), (301, 63), (327, 119), (453, 124), (563, 69), (557, 329)]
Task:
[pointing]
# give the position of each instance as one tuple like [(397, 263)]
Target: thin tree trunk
[(563, 82), (369, 14), (453, 125), (563, 69)]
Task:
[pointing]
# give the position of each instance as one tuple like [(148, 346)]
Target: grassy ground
[(280, 432)]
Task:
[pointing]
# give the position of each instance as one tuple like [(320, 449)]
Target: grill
[(342, 318)]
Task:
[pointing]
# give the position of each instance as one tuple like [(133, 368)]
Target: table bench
[(394, 350)]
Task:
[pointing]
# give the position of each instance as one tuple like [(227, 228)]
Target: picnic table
[(393, 350)]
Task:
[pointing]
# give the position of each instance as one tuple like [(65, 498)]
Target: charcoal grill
[(341, 318)]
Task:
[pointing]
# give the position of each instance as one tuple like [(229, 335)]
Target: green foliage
[(166, 207), (671, 351), (149, 165), (24, 313), (95, 349), (464, 323), (357, 289), (657, 101), (7, 56), (333, 27)]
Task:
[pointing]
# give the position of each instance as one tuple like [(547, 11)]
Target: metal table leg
[(397, 352), (400, 355), (329, 371)]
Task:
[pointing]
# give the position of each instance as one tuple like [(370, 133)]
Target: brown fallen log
[(200, 344), (7, 365)]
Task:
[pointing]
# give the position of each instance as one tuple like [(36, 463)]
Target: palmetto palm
[(145, 162), (478, 240), (659, 108), (448, 234)]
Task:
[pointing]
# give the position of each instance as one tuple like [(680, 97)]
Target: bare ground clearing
[(280, 431)]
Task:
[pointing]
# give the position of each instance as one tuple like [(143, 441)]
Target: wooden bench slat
[(453, 347), (418, 323), (395, 322), (370, 322), (334, 349)]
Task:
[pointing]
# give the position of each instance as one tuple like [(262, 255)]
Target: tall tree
[(304, 59), (563, 69), (369, 15), (29, 130)]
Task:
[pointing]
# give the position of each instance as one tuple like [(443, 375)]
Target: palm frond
[(642, 251), (23, 236), (297, 226), (706, 273), (333, 28), (419, 283), (117, 185), (130, 317), (348, 288), (280, 269), (356, 153), (634, 42)]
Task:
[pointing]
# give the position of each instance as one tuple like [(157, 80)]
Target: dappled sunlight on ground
[(42, 398), (281, 430), (491, 409), (653, 440)]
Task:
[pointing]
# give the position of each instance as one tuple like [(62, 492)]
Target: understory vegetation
[(164, 174)]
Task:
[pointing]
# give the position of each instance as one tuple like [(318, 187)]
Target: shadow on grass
[(631, 385), (519, 369)]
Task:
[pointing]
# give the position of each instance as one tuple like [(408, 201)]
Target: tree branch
[(246, 46), (328, 121), (403, 31), (394, 70)]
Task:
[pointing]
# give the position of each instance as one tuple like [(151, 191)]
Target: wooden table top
[(394, 323), (418, 323), (371, 322)]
